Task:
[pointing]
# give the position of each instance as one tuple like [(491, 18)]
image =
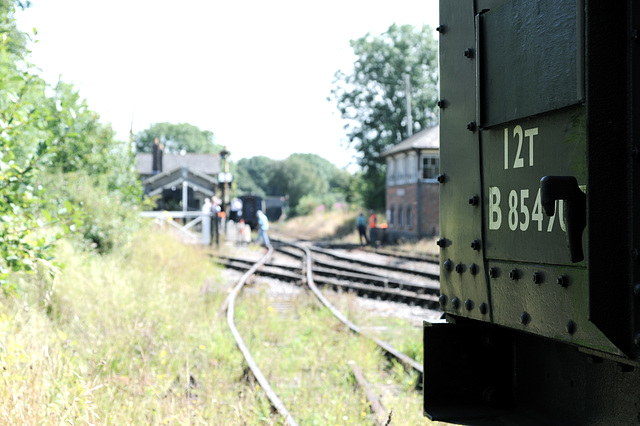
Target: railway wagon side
[(539, 242), (250, 206)]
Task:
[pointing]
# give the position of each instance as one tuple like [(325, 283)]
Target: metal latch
[(566, 188)]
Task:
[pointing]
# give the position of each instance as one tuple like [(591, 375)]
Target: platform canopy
[(176, 178)]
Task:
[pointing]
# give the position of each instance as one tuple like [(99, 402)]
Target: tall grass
[(130, 337), (135, 337), (306, 351)]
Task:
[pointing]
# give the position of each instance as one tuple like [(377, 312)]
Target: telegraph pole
[(407, 89)]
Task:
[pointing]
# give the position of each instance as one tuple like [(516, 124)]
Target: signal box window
[(409, 217), (430, 167)]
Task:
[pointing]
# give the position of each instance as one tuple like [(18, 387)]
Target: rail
[(264, 384), (403, 358)]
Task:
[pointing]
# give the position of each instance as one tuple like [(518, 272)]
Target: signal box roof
[(428, 138)]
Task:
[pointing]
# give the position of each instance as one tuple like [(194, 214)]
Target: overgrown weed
[(135, 337), (117, 342)]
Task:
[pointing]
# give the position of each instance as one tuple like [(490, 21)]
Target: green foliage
[(177, 137), (373, 97), (255, 175), (39, 132), (82, 143), (298, 178), (107, 217), (24, 146), (307, 176), (307, 205), (326, 171), (371, 189)]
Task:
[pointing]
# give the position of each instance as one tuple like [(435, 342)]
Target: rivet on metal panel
[(468, 53), (442, 178), (441, 29), (563, 280), (468, 304), (636, 290), (455, 303), (570, 326), (475, 244), (493, 272), (514, 274), (443, 300), (537, 278), (483, 308), (442, 103), (473, 268), (525, 318), (460, 268), (472, 126), (441, 242), (474, 201), (448, 265)]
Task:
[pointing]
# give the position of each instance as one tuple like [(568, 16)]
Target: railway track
[(264, 383), (431, 271), (433, 258), (305, 274), (344, 278)]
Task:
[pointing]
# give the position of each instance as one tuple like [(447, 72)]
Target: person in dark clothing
[(361, 224)]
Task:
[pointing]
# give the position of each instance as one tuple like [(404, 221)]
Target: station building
[(179, 179), (412, 189)]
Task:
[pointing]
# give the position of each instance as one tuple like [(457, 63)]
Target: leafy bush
[(307, 205), (107, 217), (61, 134)]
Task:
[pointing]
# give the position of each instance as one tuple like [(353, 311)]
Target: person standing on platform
[(206, 222), (373, 223), (236, 210), (263, 224), (361, 225)]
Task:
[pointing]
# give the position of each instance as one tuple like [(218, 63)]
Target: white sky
[(255, 73)]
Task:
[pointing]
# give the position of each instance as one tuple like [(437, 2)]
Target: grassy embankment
[(135, 337)]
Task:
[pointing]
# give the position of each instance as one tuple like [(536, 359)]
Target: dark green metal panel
[(530, 59), (536, 303), (515, 156), (463, 276), (537, 90)]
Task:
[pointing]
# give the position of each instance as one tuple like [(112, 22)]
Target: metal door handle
[(566, 188)]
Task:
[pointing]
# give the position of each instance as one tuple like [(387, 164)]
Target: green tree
[(57, 134), (372, 98), (83, 144), (177, 137), (25, 145), (297, 179), (255, 175), (300, 176), (326, 170)]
